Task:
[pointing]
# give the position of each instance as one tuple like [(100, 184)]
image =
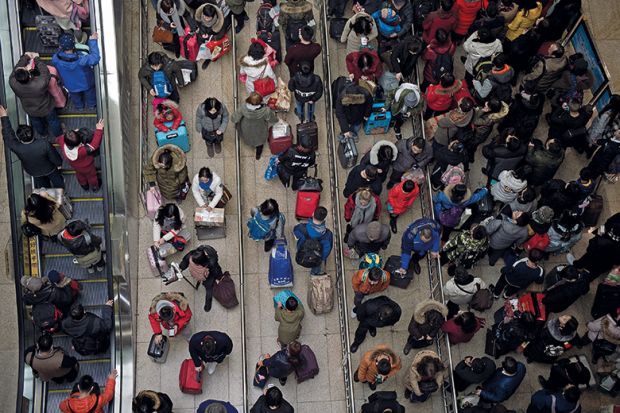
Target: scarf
[(72, 153), (172, 17), (363, 214), (210, 23), (206, 186), (252, 107)]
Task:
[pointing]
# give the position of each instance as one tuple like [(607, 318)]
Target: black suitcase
[(605, 301), (347, 153), (192, 67), (336, 27), (308, 135), (396, 279), (158, 352), (592, 212)]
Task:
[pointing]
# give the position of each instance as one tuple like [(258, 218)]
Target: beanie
[(66, 41), (54, 276)]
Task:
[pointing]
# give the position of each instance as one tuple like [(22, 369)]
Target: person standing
[(86, 396), (420, 237), (267, 223), (90, 334), (51, 363), (253, 119), (271, 401), (211, 122), (307, 88), (303, 52), (237, 9), (289, 316), (204, 267), (377, 365), (210, 347), (315, 229), (79, 240)]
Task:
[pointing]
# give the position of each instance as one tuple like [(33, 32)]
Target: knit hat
[(216, 408), (54, 276), (373, 230), (33, 284), (66, 41), (543, 215)]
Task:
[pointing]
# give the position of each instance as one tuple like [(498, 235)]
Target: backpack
[(321, 294), (443, 64), (47, 317), (292, 29), (453, 175), (483, 66), (161, 84), (89, 343), (310, 252), (258, 227), (421, 9), (264, 21), (451, 217), (482, 299)]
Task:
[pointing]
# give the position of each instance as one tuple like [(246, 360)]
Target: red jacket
[(399, 201), (375, 71), (349, 207), (160, 121), (436, 20), (466, 11), (443, 99), (456, 335), (430, 55), (181, 316), (73, 404), (84, 160)]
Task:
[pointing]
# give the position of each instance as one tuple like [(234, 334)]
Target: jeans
[(53, 180), (86, 98), (300, 110), (47, 124), (318, 270)]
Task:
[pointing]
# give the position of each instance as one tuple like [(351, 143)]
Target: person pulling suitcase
[(210, 347)]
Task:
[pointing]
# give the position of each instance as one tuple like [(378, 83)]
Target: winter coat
[(91, 403), (520, 275), (462, 294), (253, 124), (174, 15), (399, 201), (223, 347), (61, 297), (169, 181), (236, 6), (569, 84), (79, 246), (351, 205), (497, 83), (372, 157), (199, 273), (373, 73), (396, 100), (254, 70), (442, 201), (276, 224), (555, 196), (209, 406), (204, 122), (353, 40), (261, 406), (299, 53), (407, 160), (549, 339), (295, 162), (100, 325), (54, 365), (215, 191), (449, 123), (545, 401), (523, 21), (389, 24), (412, 242), (171, 69), (442, 99), (495, 24), (355, 181), (439, 19), (604, 328), (367, 369), (464, 376), (368, 312), (430, 55), (553, 70), (306, 88), (463, 246), (562, 236), (562, 293), (383, 401), (359, 240), (34, 95), (160, 120), (524, 115), (604, 156), (500, 386), (361, 282), (48, 229), (352, 106), (466, 11), (405, 13), (543, 162), (509, 335), (427, 319), (401, 59), (315, 231), (160, 401), (80, 158), (445, 157), (413, 378), (501, 159), (76, 69), (483, 122), (294, 10), (503, 233), (220, 27), (477, 50), (289, 324), (601, 255), (182, 312), (278, 365), (561, 121)]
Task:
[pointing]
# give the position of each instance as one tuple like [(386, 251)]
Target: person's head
[(86, 384), (429, 366), (522, 172), (306, 33), (408, 186), (209, 13), (205, 174), (447, 80), (417, 146), (385, 312), (167, 212), (155, 60), (305, 68), (456, 146), (167, 6), (446, 5), (165, 111), (293, 350), (208, 345), (199, 257), (569, 273), (499, 61), (77, 311), (509, 365), (485, 35), (522, 219), (466, 105), (320, 214), (426, 234), (385, 153), (441, 36), (165, 159), (479, 233), (535, 255), (568, 324), (22, 75), (384, 366), (506, 134), (574, 105), (254, 99), (477, 365), (373, 230), (526, 4), (572, 393), (24, 133), (579, 67), (415, 46), (553, 147), (273, 397), (461, 276), (256, 51), (364, 196), (370, 172), (375, 274), (212, 106), (586, 174), (613, 105), (365, 62), (143, 404), (75, 228), (291, 304), (556, 49), (66, 42), (73, 138), (466, 321), (526, 196), (269, 208), (458, 193), (166, 313), (362, 26), (39, 207), (45, 342), (493, 105)]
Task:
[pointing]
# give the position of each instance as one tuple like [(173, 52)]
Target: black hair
[(307, 33), (386, 153), (72, 138), (535, 255), (495, 105), (256, 51), (441, 36), (166, 5), (586, 174), (419, 142), (384, 366), (479, 233), (408, 186), (447, 5), (499, 60), (527, 195), (612, 106), (320, 214), (527, 320), (143, 404), (41, 208), (24, 133), (522, 172), (572, 393), (212, 103), (199, 257), (208, 345), (155, 58), (523, 219), (273, 397), (269, 208), (485, 35), (45, 342), (165, 158), (77, 311), (569, 273), (509, 365), (23, 76), (570, 327), (86, 383), (371, 171), (477, 365), (467, 321), (75, 228), (447, 80), (362, 26), (462, 276), (458, 193), (365, 61), (415, 45), (375, 273), (429, 366), (209, 11), (554, 147), (492, 9), (166, 313), (512, 143), (466, 105), (169, 210), (291, 304), (305, 68), (559, 52), (386, 311), (205, 172)]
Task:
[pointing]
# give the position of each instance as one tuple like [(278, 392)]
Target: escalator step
[(32, 43), (55, 248), (91, 210), (98, 369), (64, 264), (74, 190), (94, 292), (79, 120)]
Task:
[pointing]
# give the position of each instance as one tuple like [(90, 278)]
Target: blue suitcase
[(379, 122), (280, 266), (174, 137)]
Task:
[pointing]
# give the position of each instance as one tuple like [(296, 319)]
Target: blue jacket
[(542, 401), (388, 26), (411, 240), (229, 407), (443, 203), (75, 69), (499, 387), (315, 231)]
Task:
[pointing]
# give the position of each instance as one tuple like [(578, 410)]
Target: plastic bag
[(272, 168)]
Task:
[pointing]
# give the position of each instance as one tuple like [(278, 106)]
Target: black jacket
[(34, 95), (523, 115), (278, 365), (352, 106), (223, 347), (380, 401), (261, 407), (39, 157), (401, 60), (100, 325), (355, 182), (555, 196), (561, 122), (60, 297), (368, 312), (502, 159), (170, 67), (544, 163), (213, 264), (601, 255), (306, 88), (563, 293), (295, 162), (604, 156), (80, 245), (464, 376)]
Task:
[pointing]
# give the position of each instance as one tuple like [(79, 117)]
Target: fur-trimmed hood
[(610, 331), (178, 157), (153, 396), (249, 61), (219, 24), (296, 8), (175, 297), (428, 305), (350, 99), (374, 151), (421, 354), (553, 325), (385, 351), (413, 376)]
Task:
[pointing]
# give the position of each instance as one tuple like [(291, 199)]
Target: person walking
[(253, 120), (377, 365), (372, 314), (86, 396), (210, 347)]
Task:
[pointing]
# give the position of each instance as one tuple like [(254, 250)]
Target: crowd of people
[(515, 70)]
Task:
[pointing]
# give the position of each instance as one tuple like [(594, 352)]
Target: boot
[(259, 152), (407, 348), (210, 150), (393, 226), (205, 64), (208, 299), (218, 147)]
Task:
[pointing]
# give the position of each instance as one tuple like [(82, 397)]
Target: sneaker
[(91, 270), (210, 150), (218, 147), (211, 367), (100, 268), (416, 267), (353, 314), (373, 386), (259, 152), (570, 258), (95, 189), (282, 381)]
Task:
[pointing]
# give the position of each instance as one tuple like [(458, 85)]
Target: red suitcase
[(307, 203), (188, 376), (189, 45), (532, 303), (280, 137)]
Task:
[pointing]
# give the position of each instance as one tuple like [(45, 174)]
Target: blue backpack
[(161, 84)]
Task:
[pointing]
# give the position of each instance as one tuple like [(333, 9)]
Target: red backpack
[(538, 241)]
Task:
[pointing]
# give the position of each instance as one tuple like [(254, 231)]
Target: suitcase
[(592, 212), (158, 352), (309, 367), (190, 381), (152, 200), (159, 266), (489, 345), (189, 45), (306, 204), (379, 122), (606, 300), (321, 294), (280, 137), (56, 89), (176, 137), (308, 135), (189, 70), (280, 266), (204, 218), (532, 303), (397, 280), (347, 153)]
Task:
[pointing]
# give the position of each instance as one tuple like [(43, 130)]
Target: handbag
[(310, 183), (30, 230), (226, 197), (264, 86), (428, 386), (482, 299), (162, 35), (224, 291), (602, 347)]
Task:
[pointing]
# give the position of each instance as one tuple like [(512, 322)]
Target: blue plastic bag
[(272, 168), (282, 296)]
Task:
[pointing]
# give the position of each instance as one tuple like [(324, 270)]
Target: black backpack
[(292, 29), (47, 317), (310, 253), (264, 22), (89, 343), (443, 64)]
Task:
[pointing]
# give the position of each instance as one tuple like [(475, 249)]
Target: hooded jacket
[(261, 406), (523, 21), (61, 297), (361, 282), (502, 159), (442, 200), (351, 205), (441, 99), (413, 378), (215, 190), (496, 84), (171, 180), (182, 312), (372, 156), (54, 365), (464, 376), (315, 231), (430, 55), (353, 40), (48, 229), (296, 162), (499, 387), (477, 50), (219, 28), (223, 347), (289, 324), (508, 187), (407, 160), (100, 325), (254, 70), (367, 371), (294, 10), (373, 73), (449, 123), (399, 201), (171, 69), (160, 121), (79, 245), (306, 88), (76, 69), (396, 100), (352, 106), (253, 123), (439, 19), (75, 404), (204, 122), (368, 312), (503, 233), (544, 163), (161, 401), (428, 316), (466, 11), (34, 95), (383, 401), (464, 246), (355, 181), (544, 401), (524, 114)]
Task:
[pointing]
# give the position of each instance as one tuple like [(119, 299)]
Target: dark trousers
[(45, 125), (53, 180), (399, 120), (208, 284), (502, 285), (395, 178), (285, 178), (84, 99), (362, 329)]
